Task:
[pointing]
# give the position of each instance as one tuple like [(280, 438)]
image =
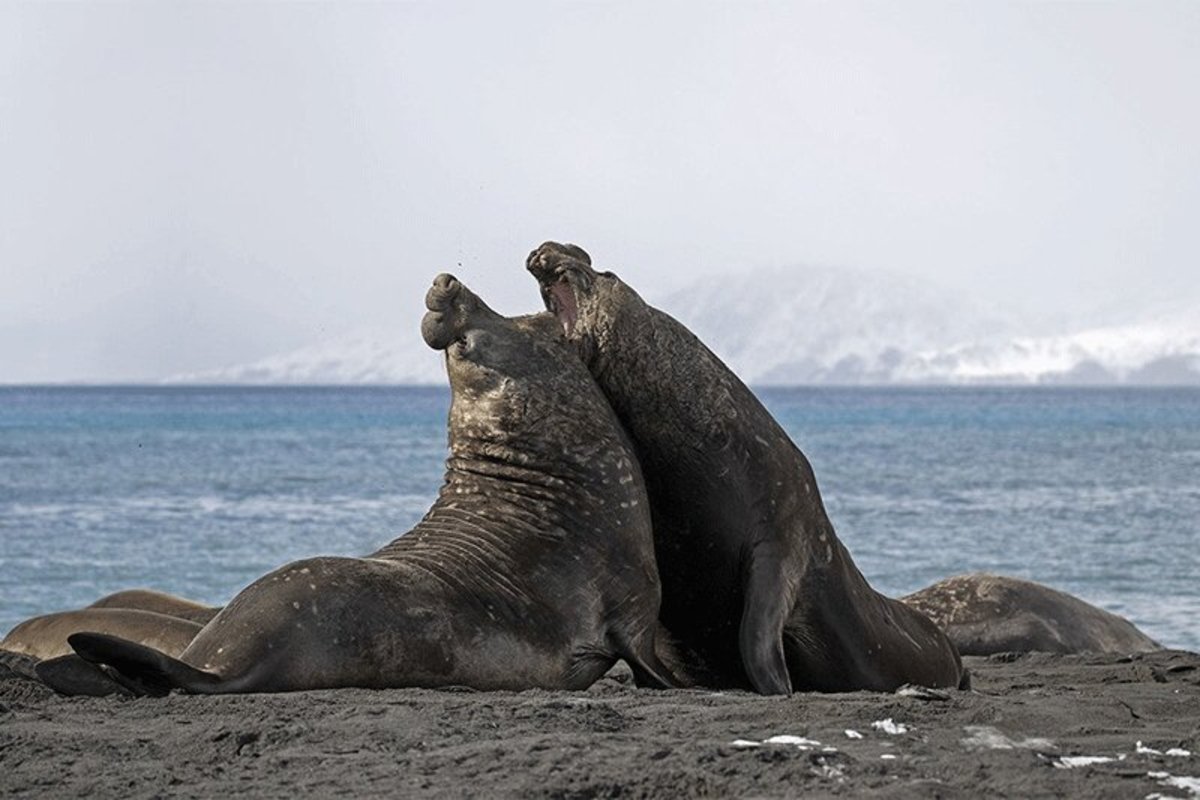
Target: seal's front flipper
[(140, 669), (71, 675), (641, 653), (760, 636)]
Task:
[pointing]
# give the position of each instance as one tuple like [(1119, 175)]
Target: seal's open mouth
[(560, 298)]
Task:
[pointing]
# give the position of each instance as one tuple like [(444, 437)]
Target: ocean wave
[(281, 507)]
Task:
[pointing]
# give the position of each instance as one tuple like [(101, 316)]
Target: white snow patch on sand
[(988, 738), (799, 741), (1187, 783), (1071, 762)]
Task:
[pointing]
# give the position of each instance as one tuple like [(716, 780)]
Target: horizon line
[(1012, 385)]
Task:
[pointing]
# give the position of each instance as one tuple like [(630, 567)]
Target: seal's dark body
[(534, 567), (755, 581), (985, 614)]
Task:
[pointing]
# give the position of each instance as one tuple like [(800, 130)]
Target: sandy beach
[(1034, 725)]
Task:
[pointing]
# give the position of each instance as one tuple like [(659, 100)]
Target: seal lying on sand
[(159, 603), (534, 567), (754, 579), (45, 637), (162, 621), (984, 614)]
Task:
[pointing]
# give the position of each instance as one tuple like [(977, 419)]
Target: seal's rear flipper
[(71, 675), (140, 669)]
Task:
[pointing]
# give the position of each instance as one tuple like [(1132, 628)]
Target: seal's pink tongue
[(564, 301)]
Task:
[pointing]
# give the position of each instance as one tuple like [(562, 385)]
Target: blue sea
[(198, 491)]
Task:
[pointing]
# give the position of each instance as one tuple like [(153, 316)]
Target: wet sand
[(1016, 734)]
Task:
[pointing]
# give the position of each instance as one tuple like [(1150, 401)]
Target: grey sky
[(186, 185)]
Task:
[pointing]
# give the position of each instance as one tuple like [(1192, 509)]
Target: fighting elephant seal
[(45, 637), (985, 614), (754, 579), (533, 568)]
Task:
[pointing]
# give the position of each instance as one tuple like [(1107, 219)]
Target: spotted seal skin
[(534, 567), (754, 579), (985, 614)]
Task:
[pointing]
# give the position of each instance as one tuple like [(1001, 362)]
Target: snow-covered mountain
[(814, 326), (841, 327), (365, 357), (824, 325)]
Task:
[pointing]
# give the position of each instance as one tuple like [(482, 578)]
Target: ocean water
[(198, 491)]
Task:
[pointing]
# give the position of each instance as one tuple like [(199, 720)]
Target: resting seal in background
[(45, 637), (534, 567), (985, 614), (754, 579), (159, 603), (162, 621)]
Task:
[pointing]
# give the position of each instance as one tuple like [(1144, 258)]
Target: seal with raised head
[(754, 579), (533, 568), (985, 614)]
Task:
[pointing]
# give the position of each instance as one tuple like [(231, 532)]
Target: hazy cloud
[(193, 184)]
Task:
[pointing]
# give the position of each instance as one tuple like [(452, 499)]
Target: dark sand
[(618, 741)]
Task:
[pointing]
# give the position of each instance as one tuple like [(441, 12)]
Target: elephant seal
[(45, 637), (754, 579), (985, 614), (533, 569), (158, 602)]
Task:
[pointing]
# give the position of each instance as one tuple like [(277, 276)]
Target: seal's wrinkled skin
[(534, 567), (985, 614), (754, 579)]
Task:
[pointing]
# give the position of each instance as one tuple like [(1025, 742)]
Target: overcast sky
[(188, 185)]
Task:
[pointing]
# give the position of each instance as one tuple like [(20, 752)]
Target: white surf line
[(853, 734)]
